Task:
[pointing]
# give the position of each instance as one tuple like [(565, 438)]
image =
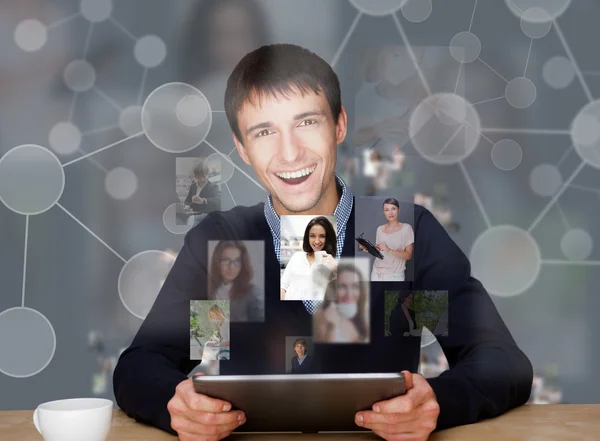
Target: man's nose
[(291, 148)]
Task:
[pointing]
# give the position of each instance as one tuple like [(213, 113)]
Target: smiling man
[(283, 104)]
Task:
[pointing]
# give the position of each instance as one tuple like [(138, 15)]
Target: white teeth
[(297, 174)]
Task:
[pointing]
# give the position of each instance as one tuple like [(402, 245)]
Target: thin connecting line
[(229, 191), (108, 99), (526, 131), (91, 232), (564, 156), (228, 159), (102, 149), (583, 188), (142, 86), (556, 196), (231, 152), (61, 22), (562, 215), (338, 53), (490, 100), (472, 16), (475, 195), (450, 140), (411, 53), (563, 40), (88, 40), (72, 106), (25, 259), (99, 130), (571, 262), (528, 55), (123, 29), (479, 132), (492, 69), (460, 66)]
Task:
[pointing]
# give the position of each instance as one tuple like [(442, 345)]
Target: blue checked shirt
[(342, 213)]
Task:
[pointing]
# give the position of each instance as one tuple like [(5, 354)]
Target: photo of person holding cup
[(343, 317), (309, 271)]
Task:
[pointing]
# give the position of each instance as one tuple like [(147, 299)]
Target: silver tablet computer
[(301, 403)]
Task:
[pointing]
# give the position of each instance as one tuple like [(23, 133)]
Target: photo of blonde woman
[(209, 330), (344, 315)]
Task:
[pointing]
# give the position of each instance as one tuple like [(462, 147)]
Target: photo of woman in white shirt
[(395, 241), (309, 271)]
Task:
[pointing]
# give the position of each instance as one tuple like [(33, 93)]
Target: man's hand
[(197, 417), (409, 417)]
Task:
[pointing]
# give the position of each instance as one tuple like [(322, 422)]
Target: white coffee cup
[(75, 419), (319, 256)]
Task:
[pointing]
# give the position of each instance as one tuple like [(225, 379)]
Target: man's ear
[(241, 150), (341, 127)]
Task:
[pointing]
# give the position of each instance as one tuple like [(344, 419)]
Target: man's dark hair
[(300, 341), (330, 239), (278, 69)]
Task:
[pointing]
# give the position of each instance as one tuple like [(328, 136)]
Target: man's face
[(300, 349), (291, 144)]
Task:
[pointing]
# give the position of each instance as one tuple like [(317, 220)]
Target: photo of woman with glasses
[(309, 271), (230, 278)]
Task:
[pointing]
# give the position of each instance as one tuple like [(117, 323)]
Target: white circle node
[(507, 154), (121, 183), (545, 180), (31, 35), (585, 133), (27, 342), (79, 76), (150, 51), (506, 259), (416, 11), (170, 220), (521, 92), (553, 8), (96, 11), (32, 179), (191, 110), (465, 47), (173, 121), (130, 120), (65, 138), (577, 244), (141, 279), (218, 168), (536, 22), (444, 128), (378, 8), (558, 72)]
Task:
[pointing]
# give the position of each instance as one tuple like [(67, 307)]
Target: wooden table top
[(556, 422)]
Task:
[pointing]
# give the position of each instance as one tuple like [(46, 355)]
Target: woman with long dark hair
[(307, 273), (344, 315), (230, 278)]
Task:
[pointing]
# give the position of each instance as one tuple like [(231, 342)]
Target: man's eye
[(263, 133), (311, 121)]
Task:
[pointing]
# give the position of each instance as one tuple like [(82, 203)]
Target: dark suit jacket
[(305, 368), (211, 192)]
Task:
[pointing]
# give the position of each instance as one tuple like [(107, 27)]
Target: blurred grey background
[(73, 75)]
